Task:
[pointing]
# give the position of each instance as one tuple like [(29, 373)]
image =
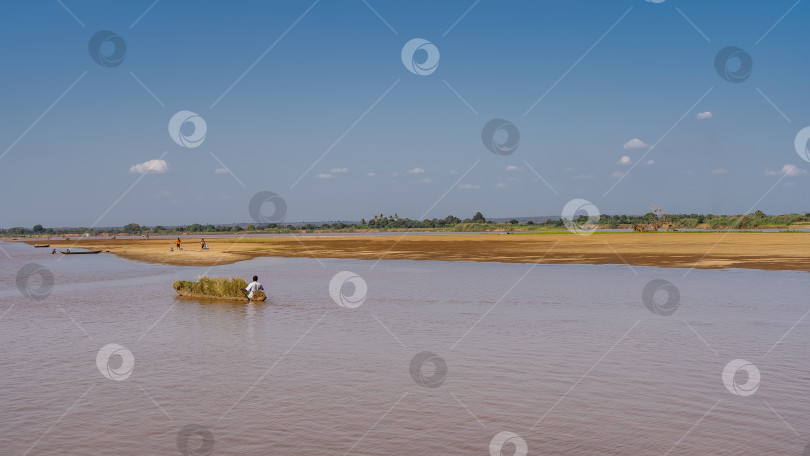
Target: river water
[(435, 358)]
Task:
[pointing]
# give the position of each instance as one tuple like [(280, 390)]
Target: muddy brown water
[(566, 357)]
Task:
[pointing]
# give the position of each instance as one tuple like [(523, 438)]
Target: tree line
[(477, 222)]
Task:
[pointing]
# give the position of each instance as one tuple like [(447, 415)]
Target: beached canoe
[(39, 246), (90, 252), (258, 296)]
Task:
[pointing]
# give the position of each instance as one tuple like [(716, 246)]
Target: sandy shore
[(773, 251)]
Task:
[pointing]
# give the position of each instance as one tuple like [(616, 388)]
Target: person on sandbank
[(254, 286), (178, 243)]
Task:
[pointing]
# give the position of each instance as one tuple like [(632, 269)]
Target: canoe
[(39, 246), (258, 297), (91, 252)]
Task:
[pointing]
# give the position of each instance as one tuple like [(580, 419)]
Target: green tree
[(38, 229), (513, 222), (479, 218), (133, 228)]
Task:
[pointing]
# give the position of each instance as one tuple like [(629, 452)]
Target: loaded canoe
[(90, 252), (258, 296)]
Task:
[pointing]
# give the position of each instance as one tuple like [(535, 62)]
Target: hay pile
[(220, 287)]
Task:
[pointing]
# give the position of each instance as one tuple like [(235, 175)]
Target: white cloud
[(455, 171), (793, 171), (468, 187), (151, 166), (625, 160), (424, 180), (324, 176), (371, 174), (500, 185), (635, 143), (617, 175), (787, 170), (339, 170), (416, 171), (704, 115), (720, 171), (650, 162), (221, 171), (513, 168), (568, 170)]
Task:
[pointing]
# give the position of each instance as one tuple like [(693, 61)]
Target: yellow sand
[(775, 251)]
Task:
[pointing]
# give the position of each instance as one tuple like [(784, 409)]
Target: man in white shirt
[(255, 285)]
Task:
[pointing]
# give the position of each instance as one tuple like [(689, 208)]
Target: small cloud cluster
[(625, 160), (416, 171), (787, 170), (635, 143), (332, 173), (150, 166), (511, 168), (704, 115), (221, 171)]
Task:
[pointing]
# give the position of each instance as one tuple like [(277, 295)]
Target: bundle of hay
[(216, 287)]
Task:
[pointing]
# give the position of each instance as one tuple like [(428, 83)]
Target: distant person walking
[(202, 243), (178, 243)]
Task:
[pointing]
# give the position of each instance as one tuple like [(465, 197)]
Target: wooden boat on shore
[(258, 296), (89, 252), (39, 246)]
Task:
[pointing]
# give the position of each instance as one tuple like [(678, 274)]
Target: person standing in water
[(254, 286)]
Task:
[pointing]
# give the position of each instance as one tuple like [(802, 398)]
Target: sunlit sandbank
[(715, 250)]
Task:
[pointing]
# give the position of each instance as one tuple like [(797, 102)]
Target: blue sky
[(283, 86)]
